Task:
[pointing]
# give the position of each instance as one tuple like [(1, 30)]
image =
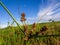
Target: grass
[(12, 36)]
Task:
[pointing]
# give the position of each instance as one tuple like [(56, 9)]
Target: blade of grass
[(11, 16)]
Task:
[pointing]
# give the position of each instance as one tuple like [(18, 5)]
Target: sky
[(35, 11)]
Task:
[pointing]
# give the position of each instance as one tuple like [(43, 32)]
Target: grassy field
[(13, 36)]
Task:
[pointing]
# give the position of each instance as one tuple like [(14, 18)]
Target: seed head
[(43, 29), (23, 14), (25, 27), (23, 17), (34, 25), (31, 32)]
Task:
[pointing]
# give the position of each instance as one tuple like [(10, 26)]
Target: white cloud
[(3, 25), (49, 12), (31, 20)]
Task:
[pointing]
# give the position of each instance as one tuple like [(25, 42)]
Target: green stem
[(11, 15)]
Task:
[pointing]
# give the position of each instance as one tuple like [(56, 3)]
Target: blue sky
[(35, 10)]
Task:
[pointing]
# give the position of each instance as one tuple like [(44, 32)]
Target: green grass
[(13, 36)]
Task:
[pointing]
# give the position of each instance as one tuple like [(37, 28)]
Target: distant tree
[(51, 20)]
